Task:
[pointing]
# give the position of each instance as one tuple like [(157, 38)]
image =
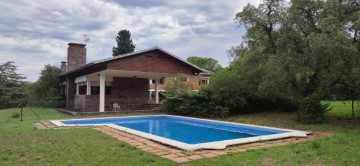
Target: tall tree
[(262, 20), (11, 85), (124, 43), (312, 50), (205, 63), (46, 89)]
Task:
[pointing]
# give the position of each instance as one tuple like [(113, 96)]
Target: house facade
[(123, 79), (192, 82)]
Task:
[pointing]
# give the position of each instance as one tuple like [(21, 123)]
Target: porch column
[(77, 88), (156, 91), (102, 93), (88, 88)]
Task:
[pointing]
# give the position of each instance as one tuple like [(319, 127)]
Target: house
[(123, 79), (193, 82)]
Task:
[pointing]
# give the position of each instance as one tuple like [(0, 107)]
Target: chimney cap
[(78, 44), (63, 62)]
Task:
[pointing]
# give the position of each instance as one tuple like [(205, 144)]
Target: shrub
[(193, 104), (311, 110)]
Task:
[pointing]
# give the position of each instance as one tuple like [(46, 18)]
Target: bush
[(311, 110), (193, 104)]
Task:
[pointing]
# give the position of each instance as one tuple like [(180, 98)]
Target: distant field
[(21, 143), (342, 109)]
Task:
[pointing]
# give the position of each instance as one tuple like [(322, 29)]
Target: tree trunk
[(352, 107)]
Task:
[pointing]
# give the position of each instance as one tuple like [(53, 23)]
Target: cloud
[(35, 33)]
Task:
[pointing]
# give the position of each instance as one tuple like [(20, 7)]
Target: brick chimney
[(76, 56), (63, 67)]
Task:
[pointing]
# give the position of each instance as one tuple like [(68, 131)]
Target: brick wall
[(76, 56), (151, 62), (193, 82)]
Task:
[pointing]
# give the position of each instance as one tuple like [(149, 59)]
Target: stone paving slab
[(181, 156)]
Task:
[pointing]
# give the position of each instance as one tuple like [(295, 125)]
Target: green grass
[(342, 109), (21, 143)]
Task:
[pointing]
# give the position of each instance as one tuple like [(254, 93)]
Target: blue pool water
[(186, 130)]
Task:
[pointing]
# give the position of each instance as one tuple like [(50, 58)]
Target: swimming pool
[(188, 133)]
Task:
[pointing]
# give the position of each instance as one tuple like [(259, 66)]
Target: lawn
[(21, 143)]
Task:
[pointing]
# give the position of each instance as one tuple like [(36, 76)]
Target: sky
[(36, 33)]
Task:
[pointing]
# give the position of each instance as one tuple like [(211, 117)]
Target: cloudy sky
[(35, 33)]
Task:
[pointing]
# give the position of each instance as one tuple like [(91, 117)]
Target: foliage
[(12, 86), (193, 104), (205, 63), (292, 52), (177, 84), (312, 110), (46, 91), (124, 43)]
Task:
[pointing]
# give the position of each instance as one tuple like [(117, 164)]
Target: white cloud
[(35, 33)]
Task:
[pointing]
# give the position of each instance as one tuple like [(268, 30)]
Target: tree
[(46, 90), (316, 48), (11, 85), (293, 55), (124, 43), (262, 20), (205, 63)]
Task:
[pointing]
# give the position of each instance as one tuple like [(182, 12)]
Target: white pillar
[(102, 93), (156, 91), (77, 88), (88, 88)]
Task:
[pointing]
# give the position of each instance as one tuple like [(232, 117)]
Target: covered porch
[(115, 90)]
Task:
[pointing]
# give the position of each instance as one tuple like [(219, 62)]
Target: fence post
[(21, 111)]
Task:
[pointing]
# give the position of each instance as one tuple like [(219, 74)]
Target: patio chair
[(116, 107)]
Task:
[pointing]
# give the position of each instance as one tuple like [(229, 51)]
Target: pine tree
[(124, 43), (11, 85)]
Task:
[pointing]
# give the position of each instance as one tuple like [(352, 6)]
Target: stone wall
[(70, 91), (130, 87)]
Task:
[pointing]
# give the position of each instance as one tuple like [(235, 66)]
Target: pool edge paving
[(182, 156), (163, 128)]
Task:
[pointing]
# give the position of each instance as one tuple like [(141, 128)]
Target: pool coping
[(191, 147)]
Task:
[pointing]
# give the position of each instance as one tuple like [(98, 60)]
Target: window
[(82, 88), (162, 81), (95, 90), (204, 81)]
